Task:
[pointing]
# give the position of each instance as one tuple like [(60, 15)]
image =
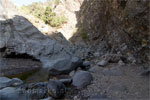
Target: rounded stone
[(82, 79), (56, 89)]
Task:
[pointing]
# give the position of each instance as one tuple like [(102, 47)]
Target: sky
[(19, 3)]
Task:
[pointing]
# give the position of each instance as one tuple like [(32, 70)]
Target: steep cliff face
[(122, 26)]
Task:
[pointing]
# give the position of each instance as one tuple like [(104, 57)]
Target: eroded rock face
[(121, 25)]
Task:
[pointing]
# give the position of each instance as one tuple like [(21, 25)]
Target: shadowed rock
[(65, 66), (81, 79), (56, 89)]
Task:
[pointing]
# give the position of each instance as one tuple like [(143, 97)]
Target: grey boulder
[(65, 66), (19, 36), (82, 79), (6, 82), (11, 93)]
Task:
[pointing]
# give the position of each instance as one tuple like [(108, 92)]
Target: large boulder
[(65, 66), (18, 36)]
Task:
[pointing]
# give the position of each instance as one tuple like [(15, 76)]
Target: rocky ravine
[(51, 68), (24, 51)]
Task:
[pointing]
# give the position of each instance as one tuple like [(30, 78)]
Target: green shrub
[(51, 18), (58, 21), (35, 9), (57, 2), (64, 19), (47, 15)]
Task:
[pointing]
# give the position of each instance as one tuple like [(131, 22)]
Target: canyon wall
[(117, 26)]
